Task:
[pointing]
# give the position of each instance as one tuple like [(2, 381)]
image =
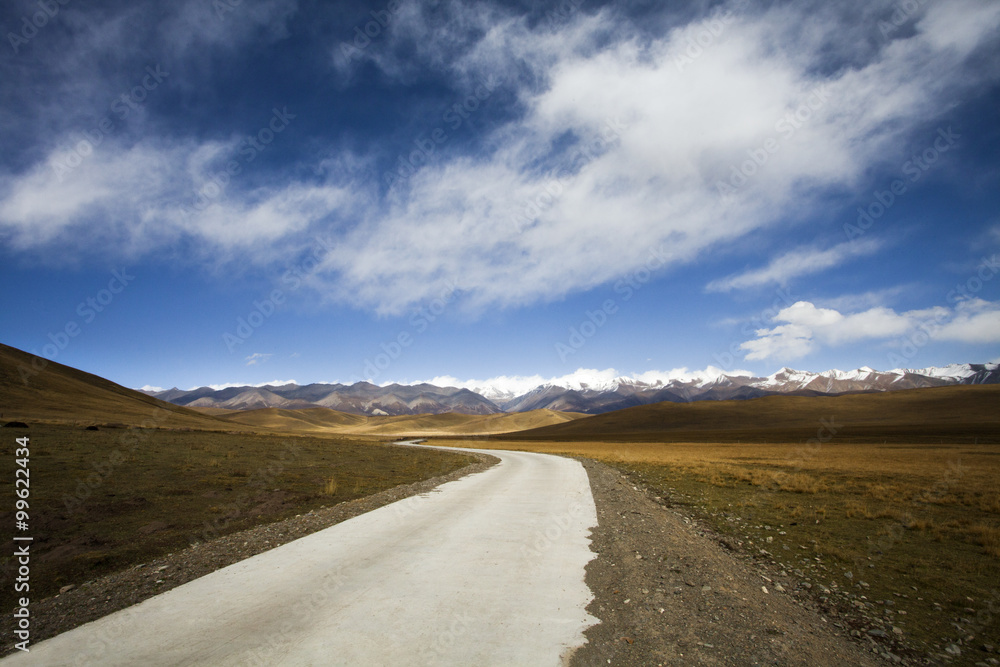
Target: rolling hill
[(33, 389), (324, 420), (954, 414)]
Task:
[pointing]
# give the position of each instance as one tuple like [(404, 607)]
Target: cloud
[(615, 144), (975, 321), (805, 328), (495, 222), (257, 358), (866, 300), (151, 194), (800, 262)]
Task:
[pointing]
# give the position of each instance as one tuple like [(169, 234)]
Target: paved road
[(486, 570)]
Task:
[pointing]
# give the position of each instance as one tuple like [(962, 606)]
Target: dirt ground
[(669, 593)]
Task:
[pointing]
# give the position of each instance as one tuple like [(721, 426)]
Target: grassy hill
[(36, 390), (954, 414)]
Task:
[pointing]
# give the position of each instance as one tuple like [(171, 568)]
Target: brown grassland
[(105, 500)]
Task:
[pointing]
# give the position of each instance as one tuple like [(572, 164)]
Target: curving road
[(485, 570)]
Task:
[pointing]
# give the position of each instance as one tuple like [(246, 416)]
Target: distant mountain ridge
[(586, 395)]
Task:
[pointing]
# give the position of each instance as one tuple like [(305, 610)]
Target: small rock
[(875, 632), (764, 588), (706, 589), (66, 589), (951, 649)]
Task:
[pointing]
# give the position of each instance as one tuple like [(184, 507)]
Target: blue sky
[(200, 193)]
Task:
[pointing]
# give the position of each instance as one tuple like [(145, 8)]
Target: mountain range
[(583, 395)]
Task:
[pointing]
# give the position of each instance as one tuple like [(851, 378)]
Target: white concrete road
[(485, 570)]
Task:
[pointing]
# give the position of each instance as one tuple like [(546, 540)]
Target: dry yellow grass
[(987, 537), (325, 420), (941, 474)]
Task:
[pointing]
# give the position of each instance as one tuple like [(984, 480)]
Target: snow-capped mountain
[(588, 391)]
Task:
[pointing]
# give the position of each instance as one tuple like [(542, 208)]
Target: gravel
[(669, 593)]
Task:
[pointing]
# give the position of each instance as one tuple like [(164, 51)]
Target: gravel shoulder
[(669, 593)]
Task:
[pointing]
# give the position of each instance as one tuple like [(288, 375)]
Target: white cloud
[(804, 328), (150, 387), (656, 183), (257, 358), (975, 321), (650, 183), (799, 262), (142, 197), (865, 300)]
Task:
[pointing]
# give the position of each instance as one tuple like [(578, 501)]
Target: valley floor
[(666, 591)]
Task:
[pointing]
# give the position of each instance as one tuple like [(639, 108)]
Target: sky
[(242, 192)]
